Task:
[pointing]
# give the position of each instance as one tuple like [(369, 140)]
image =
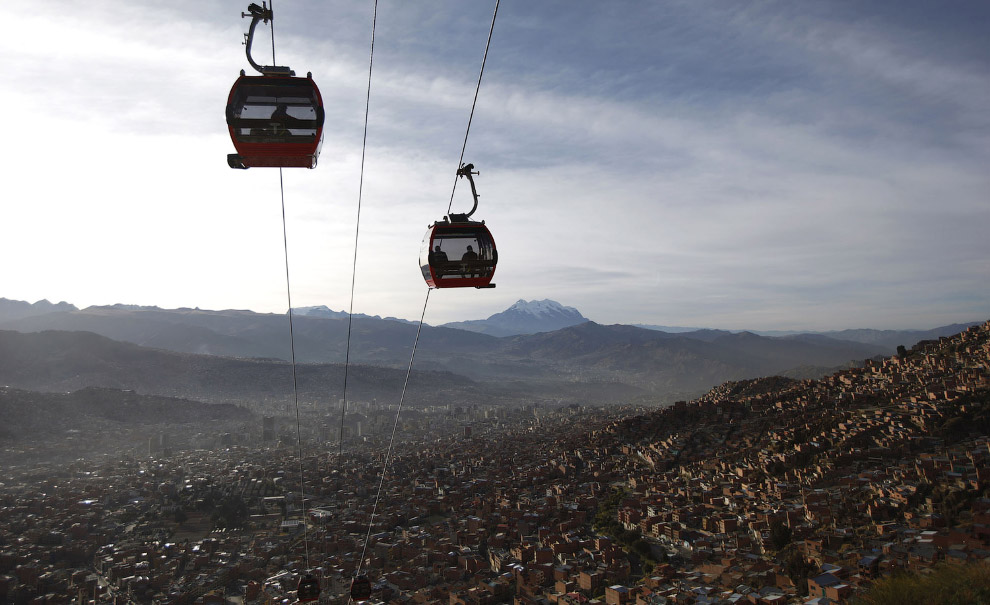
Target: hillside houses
[(771, 491)]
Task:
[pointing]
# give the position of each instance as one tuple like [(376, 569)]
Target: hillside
[(894, 397), (30, 413), (675, 362), (41, 428), (811, 487), (68, 361)]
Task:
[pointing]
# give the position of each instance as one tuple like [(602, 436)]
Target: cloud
[(733, 166)]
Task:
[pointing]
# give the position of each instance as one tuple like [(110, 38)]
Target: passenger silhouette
[(439, 261), (282, 120), (281, 113), (470, 270), (438, 256)]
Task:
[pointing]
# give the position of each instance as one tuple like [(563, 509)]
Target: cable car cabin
[(360, 588), (458, 255), (308, 589), (275, 121)]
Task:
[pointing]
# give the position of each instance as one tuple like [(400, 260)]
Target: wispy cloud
[(725, 165)]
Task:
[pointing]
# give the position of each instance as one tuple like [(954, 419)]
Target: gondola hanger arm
[(467, 170), (261, 13)]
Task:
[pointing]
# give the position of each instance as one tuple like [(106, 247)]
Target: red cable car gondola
[(275, 119), (458, 252), (308, 589), (360, 588)]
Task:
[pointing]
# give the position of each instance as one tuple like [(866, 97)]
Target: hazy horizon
[(416, 319)]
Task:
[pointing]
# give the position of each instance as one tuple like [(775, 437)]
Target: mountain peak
[(542, 307), (319, 311), (525, 317)]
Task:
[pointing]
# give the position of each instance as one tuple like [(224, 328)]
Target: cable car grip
[(467, 170), (261, 13)]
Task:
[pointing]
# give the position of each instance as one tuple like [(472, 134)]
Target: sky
[(758, 165)]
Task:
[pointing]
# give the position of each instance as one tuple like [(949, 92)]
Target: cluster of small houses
[(838, 467)]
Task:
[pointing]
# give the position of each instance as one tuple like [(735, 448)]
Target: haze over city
[(758, 166), (738, 351)]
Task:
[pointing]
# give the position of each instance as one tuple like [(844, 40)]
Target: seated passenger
[(438, 256), (281, 120)]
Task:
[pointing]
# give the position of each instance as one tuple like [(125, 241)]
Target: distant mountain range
[(892, 338), (583, 359), (524, 317), (328, 313), (889, 339), (17, 309)]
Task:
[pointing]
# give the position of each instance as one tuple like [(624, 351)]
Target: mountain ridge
[(16, 309), (635, 360)]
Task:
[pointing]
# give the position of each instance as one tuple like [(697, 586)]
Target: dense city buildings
[(766, 491)]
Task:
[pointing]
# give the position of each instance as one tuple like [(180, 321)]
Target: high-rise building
[(158, 445)]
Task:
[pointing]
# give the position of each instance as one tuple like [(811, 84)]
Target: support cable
[(481, 74), (391, 440), (357, 231), (292, 340), (419, 330), (295, 383), (272, 8)]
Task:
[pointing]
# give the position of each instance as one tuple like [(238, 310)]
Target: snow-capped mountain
[(524, 317), (320, 311)]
